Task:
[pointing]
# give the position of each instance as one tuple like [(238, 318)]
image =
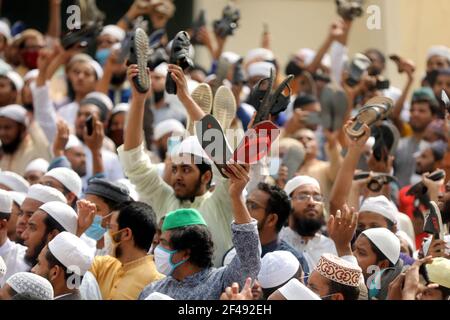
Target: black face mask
[(158, 96), (118, 79), (306, 227)]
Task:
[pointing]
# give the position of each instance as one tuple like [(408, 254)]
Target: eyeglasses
[(253, 205), (304, 197)]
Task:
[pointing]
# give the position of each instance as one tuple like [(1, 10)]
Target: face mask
[(163, 260), (96, 231), (102, 55), (30, 59), (111, 244)]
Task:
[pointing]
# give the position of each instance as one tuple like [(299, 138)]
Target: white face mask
[(163, 260)]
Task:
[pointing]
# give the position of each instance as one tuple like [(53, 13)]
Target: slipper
[(224, 107), (293, 159), (433, 222), (349, 9), (179, 55), (83, 36), (387, 138), (256, 143), (202, 95), (139, 55), (375, 109), (333, 103), (223, 66), (212, 139), (199, 23), (419, 189)]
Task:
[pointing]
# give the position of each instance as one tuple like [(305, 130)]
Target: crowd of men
[(106, 193)]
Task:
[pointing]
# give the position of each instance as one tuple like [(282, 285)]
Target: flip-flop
[(433, 222), (179, 55), (419, 189), (256, 143), (139, 55), (375, 109), (212, 139), (202, 95), (224, 107)]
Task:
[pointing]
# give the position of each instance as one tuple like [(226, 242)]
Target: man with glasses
[(306, 220), (65, 180), (270, 206)]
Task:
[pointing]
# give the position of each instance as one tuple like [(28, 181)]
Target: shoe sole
[(141, 48), (203, 97), (224, 107)]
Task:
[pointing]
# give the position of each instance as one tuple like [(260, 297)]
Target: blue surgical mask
[(102, 55), (96, 231), (163, 260)]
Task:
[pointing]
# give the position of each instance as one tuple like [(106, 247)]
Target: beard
[(307, 227), (191, 196), (12, 147), (118, 79), (158, 96), (32, 260)]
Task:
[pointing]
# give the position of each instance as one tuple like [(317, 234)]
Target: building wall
[(409, 27)]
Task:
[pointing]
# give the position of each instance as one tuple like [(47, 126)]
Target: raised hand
[(132, 72), (62, 136), (94, 141), (232, 293), (341, 228), (412, 287), (239, 177), (86, 212), (177, 75)]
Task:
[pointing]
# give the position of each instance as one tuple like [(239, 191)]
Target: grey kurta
[(209, 283)]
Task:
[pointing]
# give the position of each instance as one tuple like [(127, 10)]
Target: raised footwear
[(139, 55), (224, 107), (179, 55), (375, 109), (203, 97)]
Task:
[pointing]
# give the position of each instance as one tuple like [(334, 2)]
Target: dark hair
[(203, 168), (5, 215), (380, 255), (51, 224), (376, 52), (196, 239), (112, 204), (141, 219), (349, 292), (278, 203), (445, 292), (52, 261), (390, 224), (304, 100), (434, 108)]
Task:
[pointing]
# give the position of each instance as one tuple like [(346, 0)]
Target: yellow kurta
[(124, 282)]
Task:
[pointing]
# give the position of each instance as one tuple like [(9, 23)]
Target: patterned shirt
[(209, 283)]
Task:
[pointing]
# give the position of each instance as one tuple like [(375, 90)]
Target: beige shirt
[(34, 145)]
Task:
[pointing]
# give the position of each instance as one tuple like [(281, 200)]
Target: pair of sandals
[(378, 180), (374, 110), (140, 54)]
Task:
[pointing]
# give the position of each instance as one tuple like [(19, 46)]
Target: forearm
[(133, 132), (315, 64), (343, 183), (194, 111), (335, 159), (241, 214), (126, 21), (54, 25), (97, 162), (398, 107), (45, 113), (103, 84)]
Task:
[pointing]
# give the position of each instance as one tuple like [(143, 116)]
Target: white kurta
[(14, 256), (313, 249)]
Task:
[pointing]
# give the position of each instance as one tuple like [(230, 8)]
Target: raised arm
[(54, 22), (398, 107), (343, 183), (95, 142), (194, 111), (341, 227)]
